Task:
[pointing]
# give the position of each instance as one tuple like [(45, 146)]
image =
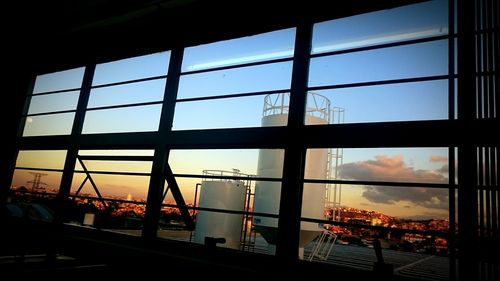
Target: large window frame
[(447, 133)]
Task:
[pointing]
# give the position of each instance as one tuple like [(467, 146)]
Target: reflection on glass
[(387, 26), (194, 161), (383, 103), (128, 119), (46, 125), (49, 159), (132, 68), (424, 59), (63, 80), (220, 113), (421, 165), (53, 102), (148, 91), (276, 76), (261, 47), (36, 181)]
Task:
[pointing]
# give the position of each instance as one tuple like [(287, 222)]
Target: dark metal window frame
[(451, 133)]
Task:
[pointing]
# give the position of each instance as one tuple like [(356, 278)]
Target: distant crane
[(36, 183)]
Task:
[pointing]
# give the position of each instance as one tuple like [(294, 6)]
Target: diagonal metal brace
[(176, 193), (89, 177)]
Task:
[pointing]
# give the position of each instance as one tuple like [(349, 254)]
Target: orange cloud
[(438, 158), (386, 168)]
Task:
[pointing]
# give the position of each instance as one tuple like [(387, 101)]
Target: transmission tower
[(36, 183)]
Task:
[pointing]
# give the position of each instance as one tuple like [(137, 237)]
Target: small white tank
[(270, 164), (225, 195)]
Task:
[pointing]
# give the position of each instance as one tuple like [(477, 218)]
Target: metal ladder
[(324, 245)]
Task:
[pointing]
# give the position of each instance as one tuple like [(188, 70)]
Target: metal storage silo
[(226, 195), (270, 164)]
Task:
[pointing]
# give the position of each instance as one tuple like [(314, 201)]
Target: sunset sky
[(397, 102)]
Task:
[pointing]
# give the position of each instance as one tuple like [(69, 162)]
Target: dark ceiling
[(52, 35)]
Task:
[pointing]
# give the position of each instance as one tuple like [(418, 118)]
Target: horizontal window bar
[(113, 173), (383, 82), (383, 183), (50, 112), (130, 81), (125, 105), (115, 158), (227, 177), (381, 46), (55, 92), (221, 210), (40, 169), (237, 66), (249, 94), (108, 199), (445, 133), (377, 227)]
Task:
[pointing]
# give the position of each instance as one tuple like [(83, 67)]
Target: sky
[(397, 102)]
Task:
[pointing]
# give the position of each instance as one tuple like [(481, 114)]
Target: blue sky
[(397, 102), (413, 101)]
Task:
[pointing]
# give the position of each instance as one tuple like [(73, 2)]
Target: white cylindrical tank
[(225, 195), (267, 194)]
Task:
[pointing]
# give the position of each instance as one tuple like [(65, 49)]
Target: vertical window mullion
[(69, 164), (160, 161), (287, 247)]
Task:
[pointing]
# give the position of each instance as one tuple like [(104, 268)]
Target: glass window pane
[(115, 166), (276, 76), (261, 47), (225, 113), (195, 161), (36, 181), (382, 103), (424, 59), (50, 159), (389, 206), (147, 91), (214, 193), (386, 26), (187, 187), (53, 102), (62, 80), (422, 165), (129, 119), (46, 125), (132, 68), (121, 208), (125, 187)]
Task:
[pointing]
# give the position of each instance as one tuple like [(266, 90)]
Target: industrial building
[(251, 139)]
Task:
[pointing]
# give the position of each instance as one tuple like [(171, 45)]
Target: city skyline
[(424, 165)]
